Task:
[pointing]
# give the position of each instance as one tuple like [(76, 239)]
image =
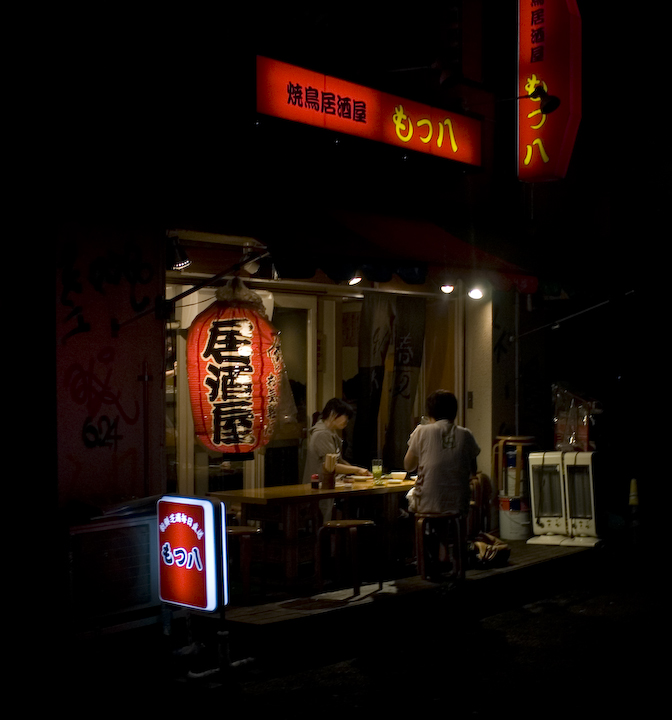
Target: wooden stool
[(346, 534), (244, 534), (522, 444), (456, 536)]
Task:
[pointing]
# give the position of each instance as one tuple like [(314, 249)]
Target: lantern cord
[(234, 268), (163, 307)]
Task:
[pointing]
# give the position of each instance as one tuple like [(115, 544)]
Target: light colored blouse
[(321, 442), (446, 454)]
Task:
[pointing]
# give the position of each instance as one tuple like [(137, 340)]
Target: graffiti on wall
[(99, 376)]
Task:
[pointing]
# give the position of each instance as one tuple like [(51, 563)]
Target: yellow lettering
[(447, 122), (542, 152), (422, 123), (399, 119), (541, 122)]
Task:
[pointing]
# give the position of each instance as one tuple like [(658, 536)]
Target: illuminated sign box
[(549, 56), (192, 552), (311, 98)]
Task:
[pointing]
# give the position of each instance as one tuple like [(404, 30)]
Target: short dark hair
[(442, 405), (338, 407)]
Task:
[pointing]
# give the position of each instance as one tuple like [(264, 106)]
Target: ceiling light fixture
[(176, 258)]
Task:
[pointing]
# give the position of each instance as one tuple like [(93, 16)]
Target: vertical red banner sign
[(549, 56), (192, 553)]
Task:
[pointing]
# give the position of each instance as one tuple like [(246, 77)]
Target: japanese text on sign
[(178, 556), (535, 123), (229, 380), (308, 97), (537, 31), (549, 58), (180, 518), (403, 124), (326, 102), (192, 552), (537, 38)]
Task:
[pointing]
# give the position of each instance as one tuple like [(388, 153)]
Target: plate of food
[(395, 477), (356, 478)]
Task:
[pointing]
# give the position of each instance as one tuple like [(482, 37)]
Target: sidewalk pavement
[(576, 634)]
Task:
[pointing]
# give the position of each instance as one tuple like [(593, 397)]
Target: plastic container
[(515, 518)]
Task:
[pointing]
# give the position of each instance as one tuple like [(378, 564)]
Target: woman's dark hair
[(442, 405), (338, 407)]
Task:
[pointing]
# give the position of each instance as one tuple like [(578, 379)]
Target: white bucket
[(516, 523)]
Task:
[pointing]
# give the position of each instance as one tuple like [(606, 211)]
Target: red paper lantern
[(233, 364)]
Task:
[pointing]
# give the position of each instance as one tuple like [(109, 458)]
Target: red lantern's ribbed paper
[(233, 364)]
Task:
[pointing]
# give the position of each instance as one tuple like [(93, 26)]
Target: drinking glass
[(377, 471)]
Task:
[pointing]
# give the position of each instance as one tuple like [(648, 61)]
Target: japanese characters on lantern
[(307, 97), (234, 366)]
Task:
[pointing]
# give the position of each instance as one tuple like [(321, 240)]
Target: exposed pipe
[(161, 305), (517, 366)]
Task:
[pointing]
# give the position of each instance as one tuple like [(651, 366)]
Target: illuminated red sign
[(549, 56), (192, 553), (308, 97)]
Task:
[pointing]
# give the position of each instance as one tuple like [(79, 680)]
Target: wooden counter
[(286, 501)]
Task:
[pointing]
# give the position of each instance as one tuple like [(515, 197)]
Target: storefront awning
[(340, 242)]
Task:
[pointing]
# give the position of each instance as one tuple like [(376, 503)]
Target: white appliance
[(550, 524), (580, 494), (562, 497)]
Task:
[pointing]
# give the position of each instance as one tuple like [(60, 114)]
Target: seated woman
[(445, 455), (324, 438)]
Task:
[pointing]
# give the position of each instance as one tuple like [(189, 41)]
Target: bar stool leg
[(318, 559), (245, 563), (420, 524), (379, 548), (354, 560), (461, 547), (456, 539), (452, 532)]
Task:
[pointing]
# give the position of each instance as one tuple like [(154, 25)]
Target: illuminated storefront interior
[(319, 325)]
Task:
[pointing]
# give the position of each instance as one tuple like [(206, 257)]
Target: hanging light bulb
[(356, 278), (475, 293), (447, 288)]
